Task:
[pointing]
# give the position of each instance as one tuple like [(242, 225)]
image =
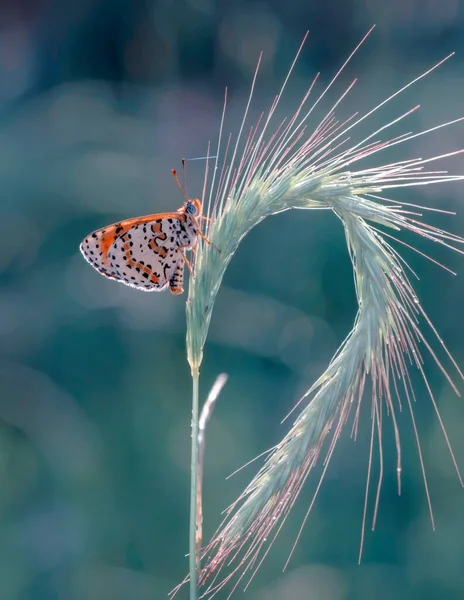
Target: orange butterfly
[(147, 253)]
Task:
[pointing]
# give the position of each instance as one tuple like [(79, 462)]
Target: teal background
[(98, 101)]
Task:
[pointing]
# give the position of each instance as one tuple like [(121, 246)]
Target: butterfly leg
[(203, 236), (176, 281), (186, 260), (194, 254)]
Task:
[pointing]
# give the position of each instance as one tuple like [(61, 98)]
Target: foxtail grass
[(296, 164)]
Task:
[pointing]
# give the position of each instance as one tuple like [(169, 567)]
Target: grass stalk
[(193, 566)]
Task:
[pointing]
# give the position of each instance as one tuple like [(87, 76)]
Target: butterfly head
[(193, 207)]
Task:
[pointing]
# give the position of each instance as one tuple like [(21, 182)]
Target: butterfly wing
[(142, 252)]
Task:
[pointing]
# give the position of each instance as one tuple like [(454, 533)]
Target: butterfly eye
[(191, 208)]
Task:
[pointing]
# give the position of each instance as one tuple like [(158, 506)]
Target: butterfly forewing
[(145, 252)]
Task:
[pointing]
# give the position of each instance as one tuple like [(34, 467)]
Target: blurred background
[(99, 99)]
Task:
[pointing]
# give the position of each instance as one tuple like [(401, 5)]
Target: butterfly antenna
[(184, 171), (182, 191)]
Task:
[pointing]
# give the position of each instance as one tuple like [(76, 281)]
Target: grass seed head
[(298, 165)]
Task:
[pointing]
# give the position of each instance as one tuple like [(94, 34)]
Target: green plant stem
[(193, 487)]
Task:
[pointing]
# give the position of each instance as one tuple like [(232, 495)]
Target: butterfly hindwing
[(146, 256)]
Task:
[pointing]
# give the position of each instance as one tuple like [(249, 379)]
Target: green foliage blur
[(99, 99)]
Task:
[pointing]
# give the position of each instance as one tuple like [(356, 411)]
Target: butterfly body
[(146, 252)]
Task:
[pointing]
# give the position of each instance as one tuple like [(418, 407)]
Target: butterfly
[(147, 253)]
